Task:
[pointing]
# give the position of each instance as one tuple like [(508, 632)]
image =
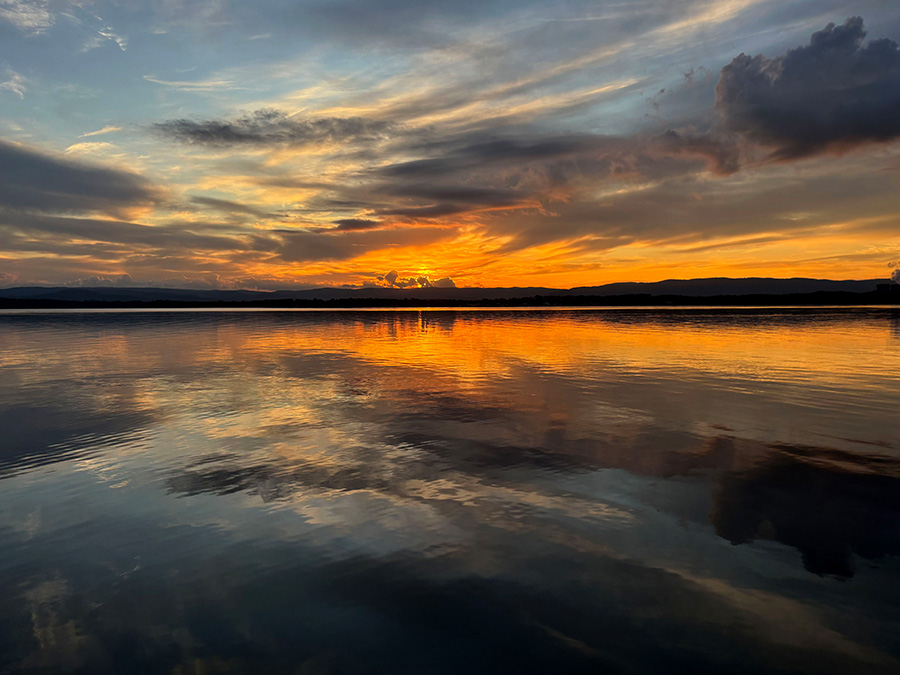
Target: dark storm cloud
[(832, 92), (271, 127), (31, 180)]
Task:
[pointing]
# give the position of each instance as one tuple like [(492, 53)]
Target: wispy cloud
[(108, 129), (192, 85), (104, 36), (271, 127), (227, 206), (13, 81), (29, 16), (88, 148)]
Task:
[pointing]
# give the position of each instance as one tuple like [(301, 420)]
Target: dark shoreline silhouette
[(820, 298)]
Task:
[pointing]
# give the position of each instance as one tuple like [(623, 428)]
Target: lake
[(525, 491)]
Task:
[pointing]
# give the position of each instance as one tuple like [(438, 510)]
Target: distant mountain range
[(693, 288)]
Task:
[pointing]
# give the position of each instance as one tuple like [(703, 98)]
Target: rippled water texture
[(450, 492)]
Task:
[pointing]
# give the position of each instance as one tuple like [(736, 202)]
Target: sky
[(276, 144)]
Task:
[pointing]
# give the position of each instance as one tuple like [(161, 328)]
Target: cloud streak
[(13, 82), (108, 129), (35, 181), (188, 85), (271, 128)]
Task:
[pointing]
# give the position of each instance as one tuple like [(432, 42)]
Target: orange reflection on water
[(473, 344)]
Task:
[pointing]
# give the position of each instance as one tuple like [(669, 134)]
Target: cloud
[(477, 150), (483, 175), (32, 180), (682, 209), (29, 16), (104, 36), (227, 206), (833, 92), (306, 246), (418, 201), (196, 85), (721, 151), (443, 282), (271, 127), (95, 280), (108, 129), (56, 234), (88, 148), (508, 168), (394, 280), (429, 212), (356, 224), (13, 82)]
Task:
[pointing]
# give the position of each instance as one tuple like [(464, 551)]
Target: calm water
[(450, 492)]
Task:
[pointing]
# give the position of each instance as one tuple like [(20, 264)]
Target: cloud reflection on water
[(567, 483)]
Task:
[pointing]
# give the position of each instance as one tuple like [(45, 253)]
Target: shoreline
[(820, 299)]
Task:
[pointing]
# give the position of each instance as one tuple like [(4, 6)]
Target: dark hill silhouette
[(692, 288), (725, 286)]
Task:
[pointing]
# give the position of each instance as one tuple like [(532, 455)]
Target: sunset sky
[(283, 144)]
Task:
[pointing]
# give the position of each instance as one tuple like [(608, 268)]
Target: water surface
[(623, 491)]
